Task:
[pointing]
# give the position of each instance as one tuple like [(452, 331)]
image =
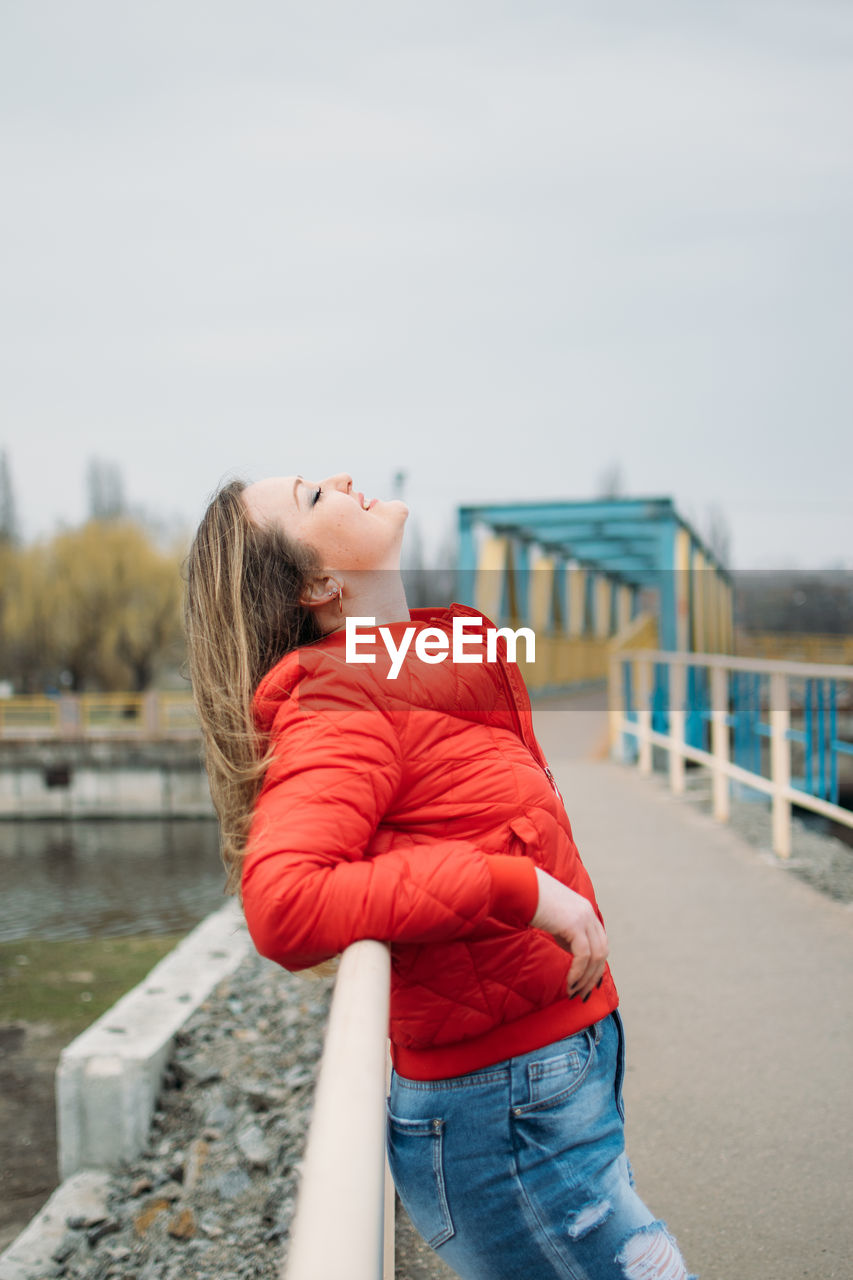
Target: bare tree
[(106, 490), (8, 509), (413, 567), (442, 577), (718, 535), (611, 482)]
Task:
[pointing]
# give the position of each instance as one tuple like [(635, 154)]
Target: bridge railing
[(155, 714), (794, 646), (344, 1221), (782, 728)]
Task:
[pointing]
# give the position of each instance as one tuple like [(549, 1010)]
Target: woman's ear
[(322, 592)]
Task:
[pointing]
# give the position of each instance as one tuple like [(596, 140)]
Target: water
[(108, 878)]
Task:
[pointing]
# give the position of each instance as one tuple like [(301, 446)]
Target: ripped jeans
[(519, 1172)]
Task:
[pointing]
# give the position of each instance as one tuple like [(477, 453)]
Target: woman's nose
[(339, 481)]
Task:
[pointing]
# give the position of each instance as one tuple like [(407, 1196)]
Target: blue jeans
[(519, 1172)]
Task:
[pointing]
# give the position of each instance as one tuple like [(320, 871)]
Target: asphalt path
[(735, 986)]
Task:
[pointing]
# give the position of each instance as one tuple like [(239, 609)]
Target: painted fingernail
[(586, 997), (598, 984)]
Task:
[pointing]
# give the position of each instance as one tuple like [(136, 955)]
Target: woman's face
[(331, 517)]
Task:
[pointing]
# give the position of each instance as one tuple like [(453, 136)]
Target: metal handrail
[(344, 1179), (152, 715), (827, 670), (639, 726)]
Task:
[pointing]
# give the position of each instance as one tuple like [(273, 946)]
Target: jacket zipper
[(515, 712), (520, 729)]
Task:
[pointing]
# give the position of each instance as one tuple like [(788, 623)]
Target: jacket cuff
[(515, 889)]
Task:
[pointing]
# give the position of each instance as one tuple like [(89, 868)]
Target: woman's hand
[(572, 922)]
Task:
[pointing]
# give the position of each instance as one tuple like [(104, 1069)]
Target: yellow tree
[(114, 602), (8, 586), (31, 660), (145, 627), (8, 561)]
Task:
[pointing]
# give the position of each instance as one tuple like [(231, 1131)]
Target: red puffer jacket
[(415, 811)]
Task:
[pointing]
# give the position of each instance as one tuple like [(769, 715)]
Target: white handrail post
[(780, 763), (720, 740), (343, 1173), (677, 694), (644, 715), (616, 709), (151, 715), (723, 769), (70, 716)]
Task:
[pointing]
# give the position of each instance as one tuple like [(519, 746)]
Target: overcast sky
[(500, 246)]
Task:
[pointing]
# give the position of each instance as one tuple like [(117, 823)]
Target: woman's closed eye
[(315, 496)]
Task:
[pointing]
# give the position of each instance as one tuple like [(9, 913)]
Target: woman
[(396, 791)]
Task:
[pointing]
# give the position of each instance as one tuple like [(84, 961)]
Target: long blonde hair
[(242, 613)]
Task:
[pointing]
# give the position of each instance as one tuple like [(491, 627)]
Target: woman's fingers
[(572, 922), (588, 965)]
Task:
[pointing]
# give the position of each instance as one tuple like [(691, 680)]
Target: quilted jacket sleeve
[(309, 887)]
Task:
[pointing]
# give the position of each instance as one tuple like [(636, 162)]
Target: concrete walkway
[(735, 981)]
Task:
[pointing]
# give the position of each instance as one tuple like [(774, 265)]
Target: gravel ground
[(819, 858), (213, 1194)]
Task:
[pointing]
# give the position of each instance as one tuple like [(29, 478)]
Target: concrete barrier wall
[(31, 1255), (108, 1079), (103, 779)]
